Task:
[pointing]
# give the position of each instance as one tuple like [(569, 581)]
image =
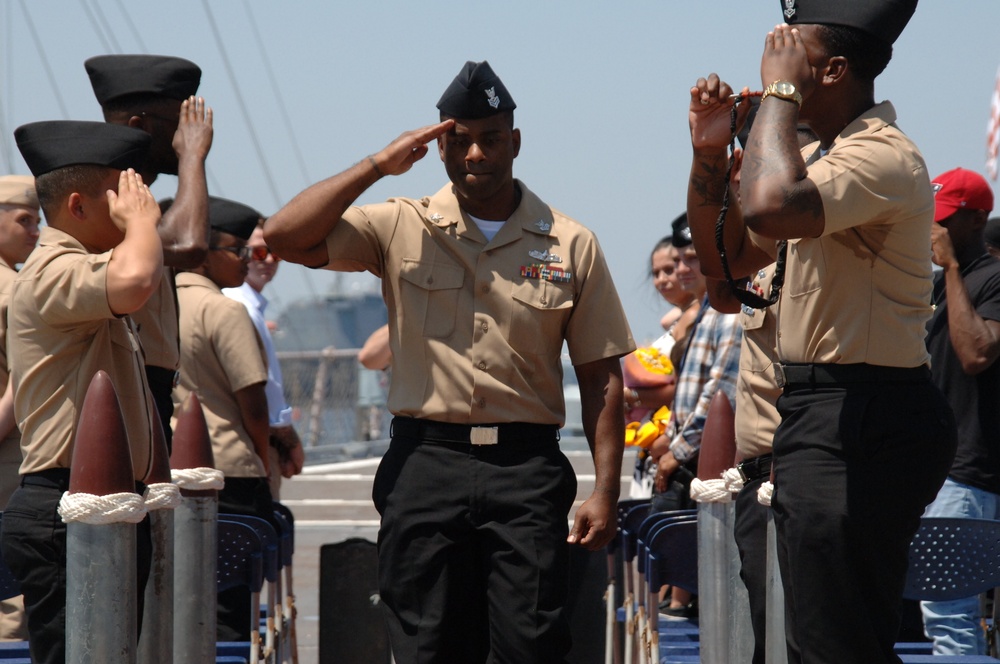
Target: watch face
[(784, 88)]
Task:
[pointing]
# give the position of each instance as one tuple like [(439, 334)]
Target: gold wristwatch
[(783, 90)]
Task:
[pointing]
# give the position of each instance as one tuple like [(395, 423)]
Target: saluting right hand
[(134, 202), (400, 155), (710, 111), (194, 129)]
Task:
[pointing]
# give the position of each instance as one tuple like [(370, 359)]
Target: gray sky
[(303, 89)]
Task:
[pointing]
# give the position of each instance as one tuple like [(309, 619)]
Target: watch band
[(772, 90)]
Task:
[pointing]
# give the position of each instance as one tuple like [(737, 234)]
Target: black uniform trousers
[(249, 496), (750, 530), (161, 386), (855, 465), (34, 548), (473, 559)]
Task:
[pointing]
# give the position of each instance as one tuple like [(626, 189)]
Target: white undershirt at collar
[(488, 228)]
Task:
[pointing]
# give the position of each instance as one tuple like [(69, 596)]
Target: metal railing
[(339, 406)]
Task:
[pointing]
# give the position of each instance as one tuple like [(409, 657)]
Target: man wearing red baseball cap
[(961, 189), (963, 338)]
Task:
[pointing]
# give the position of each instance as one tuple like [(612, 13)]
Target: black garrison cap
[(232, 217), (47, 146), (884, 19), (118, 75), (681, 236), (475, 93)]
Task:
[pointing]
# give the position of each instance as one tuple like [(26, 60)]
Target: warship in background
[(341, 320), (340, 405)]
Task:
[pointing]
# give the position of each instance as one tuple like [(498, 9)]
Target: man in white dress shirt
[(286, 451)]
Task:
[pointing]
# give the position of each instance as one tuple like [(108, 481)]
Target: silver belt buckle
[(779, 375), (484, 435)]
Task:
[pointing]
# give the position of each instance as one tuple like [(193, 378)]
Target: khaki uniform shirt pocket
[(429, 296), (540, 314), (807, 271)]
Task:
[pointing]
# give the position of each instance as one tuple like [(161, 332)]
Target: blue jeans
[(954, 626)]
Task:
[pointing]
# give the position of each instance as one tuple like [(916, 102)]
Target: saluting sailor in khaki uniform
[(865, 439), (484, 283), (18, 235), (156, 93), (98, 260), (223, 361)]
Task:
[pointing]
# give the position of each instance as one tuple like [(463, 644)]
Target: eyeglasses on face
[(261, 254), (243, 253)]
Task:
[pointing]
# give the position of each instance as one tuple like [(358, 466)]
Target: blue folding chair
[(633, 612), (620, 556), (669, 556), (240, 562), (236, 566), (286, 638), (647, 602), (272, 574), (643, 533), (952, 558)]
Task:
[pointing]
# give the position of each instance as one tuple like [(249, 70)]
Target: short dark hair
[(55, 186), (866, 54)]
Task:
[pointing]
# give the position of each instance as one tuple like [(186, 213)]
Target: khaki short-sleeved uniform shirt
[(10, 446), (861, 291), (477, 328), (756, 390), (61, 331), (157, 325), (221, 354)]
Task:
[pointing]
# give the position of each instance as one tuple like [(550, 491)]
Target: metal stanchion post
[(716, 546), (100, 510), (156, 642), (195, 544), (775, 639)]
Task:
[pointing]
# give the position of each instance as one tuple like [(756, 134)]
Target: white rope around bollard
[(198, 479), (99, 510), (710, 491), (764, 494), (734, 481), (162, 496)]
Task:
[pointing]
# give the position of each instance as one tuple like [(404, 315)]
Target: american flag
[(993, 131)]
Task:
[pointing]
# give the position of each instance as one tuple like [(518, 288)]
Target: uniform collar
[(874, 119), (192, 279), (531, 216), (51, 236)]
